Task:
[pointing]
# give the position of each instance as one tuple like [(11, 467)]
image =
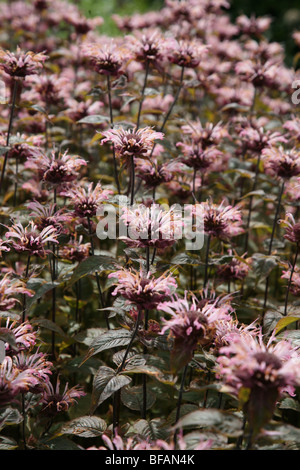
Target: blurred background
[(285, 15)]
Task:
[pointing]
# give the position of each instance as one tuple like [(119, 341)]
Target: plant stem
[(250, 203), (13, 104), (138, 320), (272, 239), (97, 275), (290, 280), (171, 107), (132, 169), (24, 297), (174, 102), (24, 422), (179, 401), (144, 376), (206, 261), (143, 94), (112, 125)]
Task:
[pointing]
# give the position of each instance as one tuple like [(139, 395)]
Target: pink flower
[(87, 200), (191, 325), (281, 163), (264, 370), (30, 240), (55, 169), (39, 367), (14, 381), (292, 228), (208, 135), (219, 221), (107, 59), (75, 250), (151, 226), (144, 290), (45, 215), (25, 337), (9, 289), (186, 53), (56, 401), (132, 142), (20, 64)]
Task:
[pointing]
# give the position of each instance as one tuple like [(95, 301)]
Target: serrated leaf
[(132, 397), (7, 336), (9, 416), (220, 421), (106, 383), (85, 426), (7, 443), (48, 325), (109, 339), (151, 430), (93, 119), (91, 265)]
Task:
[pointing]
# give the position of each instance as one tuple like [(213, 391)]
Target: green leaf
[(91, 265), (7, 336), (220, 421), (93, 119), (151, 430), (48, 325), (263, 264), (7, 443), (109, 339), (9, 416), (132, 397), (106, 383), (85, 426)]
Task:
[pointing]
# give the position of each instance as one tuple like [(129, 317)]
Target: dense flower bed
[(150, 194)]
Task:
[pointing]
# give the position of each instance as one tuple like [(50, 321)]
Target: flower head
[(107, 59), (9, 289), (14, 381), (219, 221), (186, 53), (151, 226), (132, 142), (30, 240), (47, 215), (144, 290), (87, 200), (75, 250), (281, 163), (192, 324), (292, 228), (264, 370), (56, 169), (20, 63), (56, 401)]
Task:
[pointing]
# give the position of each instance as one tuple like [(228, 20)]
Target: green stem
[(272, 239), (13, 104), (290, 280)]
